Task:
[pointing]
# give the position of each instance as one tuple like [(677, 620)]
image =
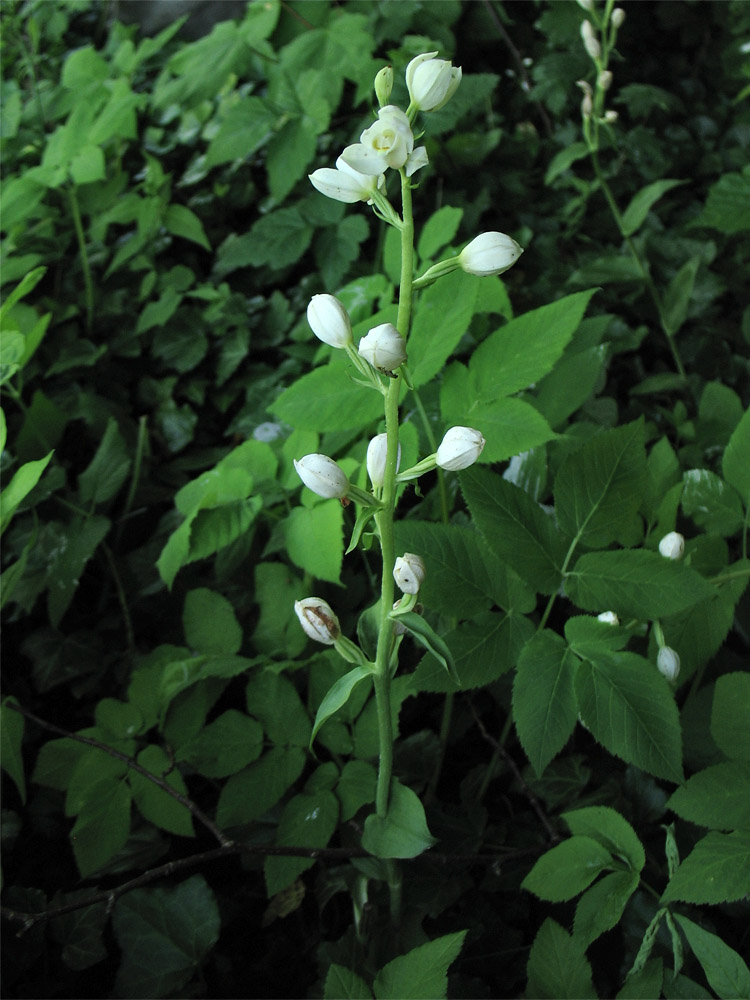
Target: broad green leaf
[(716, 871), (629, 708), (526, 348), (727, 973), (314, 539), (279, 238), (611, 830), (558, 968), (717, 797), (713, 504), (337, 247), (156, 805), (342, 982), (635, 583), (438, 231), (338, 696), (510, 426), (727, 207), (102, 826), (639, 207), (225, 746), (422, 973), (277, 629), (80, 931), (356, 787), (326, 399), (570, 383), (11, 740), (273, 699), (483, 649), (308, 820), (682, 988), (677, 296), (215, 529), (544, 704), (120, 718), (729, 715), (23, 482), (210, 623), (423, 633), (699, 632), (516, 528), (565, 159), (247, 125), (588, 637), (646, 984), (92, 768), (567, 869), (82, 537), (248, 795), (87, 165), (27, 284), (599, 488), (601, 906), (402, 832), (735, 463), (441, 318), (289, 152), (164, 934), (178, 675)]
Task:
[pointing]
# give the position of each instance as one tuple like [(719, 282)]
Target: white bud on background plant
[(590, 41), (618, 17), (586, 4), (431, 82), (387, 143), (318, 620), (668, 662), (384, 85), (383, 347), (608, 617), (610, 117), (346, 184), (321, 475), (605, 79), (672, 545), (460, 448), (409, 573), (329, 321), (377, 451), (489, 253)]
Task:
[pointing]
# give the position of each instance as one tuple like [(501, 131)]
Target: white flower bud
[(346, 184), (460, 448), (384, 85), (590, 41), (489, 253), (605, 79), (318, 620), (587, 106), (610, 117), (376, 455), (431, 82), (387, 143), (329, 320), (608, 617), (586, 4), (618, 17), (668, 663), (409, 573), (320, 474), (672, 545), (383, 347)]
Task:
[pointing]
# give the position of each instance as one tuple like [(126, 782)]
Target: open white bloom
[(460, 448), (608, 617), (431, 82), (387, 143), (376, 455), (668, 662), (409, 573), (321, 475), (383, 347), (329, 321), (318, 620), (346, 184), (672, 545), (590, 41), (489, 253)]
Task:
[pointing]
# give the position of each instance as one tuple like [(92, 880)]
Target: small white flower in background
[(383, 347), (460, 448), (384, 85), (608, 617), (668, 662), (605, 79), (387, 143), (409, 573), (590, 41), (672, 545), (376, 455), (346, 184), (318, 620), (618, 17), (329, 320), (268, 431), (321, 475), (431, 82), (586, 4), (489, 253), (610, 117)]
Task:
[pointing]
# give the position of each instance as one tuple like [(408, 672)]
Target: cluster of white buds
[(590, 41), (672, 545)]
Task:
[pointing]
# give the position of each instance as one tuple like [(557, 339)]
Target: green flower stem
[(88, 285), (384, 517)]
